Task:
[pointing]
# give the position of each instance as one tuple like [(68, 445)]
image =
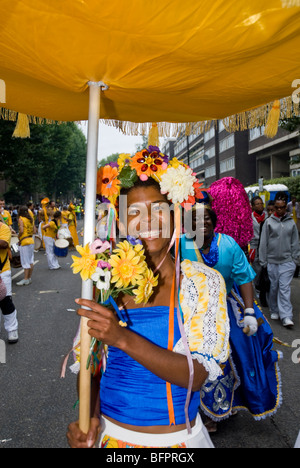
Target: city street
[(36, 405)]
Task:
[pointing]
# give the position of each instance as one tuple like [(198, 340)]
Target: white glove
[(250, 323)]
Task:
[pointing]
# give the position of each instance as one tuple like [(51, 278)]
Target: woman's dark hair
[(281, 196), (213, 216), (271, 203), (253, 200), (56, 216), (23, 211)]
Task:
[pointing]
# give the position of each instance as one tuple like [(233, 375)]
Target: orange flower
[(108, 184), (147, 164)]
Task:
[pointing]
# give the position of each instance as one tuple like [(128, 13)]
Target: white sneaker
[(23, 282), (286, 322), (275, 316), (13, 337)]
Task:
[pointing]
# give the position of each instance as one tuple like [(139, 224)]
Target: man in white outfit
[(279, 251), (6, 304)]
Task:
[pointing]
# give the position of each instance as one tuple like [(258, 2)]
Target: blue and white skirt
[(251, 376)]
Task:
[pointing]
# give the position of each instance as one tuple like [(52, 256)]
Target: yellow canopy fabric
[(163, 60)]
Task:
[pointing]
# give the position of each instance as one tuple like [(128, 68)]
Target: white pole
[(89, 236)]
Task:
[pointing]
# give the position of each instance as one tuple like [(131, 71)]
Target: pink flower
[(98, 246), (102, 264)]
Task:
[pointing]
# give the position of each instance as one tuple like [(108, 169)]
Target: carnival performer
[(50, 230), (64, 224), (26, 228), (43, 216), (73, 224), (250, 377), (65, 217), (5, 216), (144, 388), (6, 304)]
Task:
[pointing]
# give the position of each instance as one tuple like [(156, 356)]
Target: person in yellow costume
[(50, 232), (65, 216), (73, 224), (7, 307), (5, 215), (43, 218), (26, 228)]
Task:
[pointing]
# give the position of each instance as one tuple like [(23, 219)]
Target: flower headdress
[(177, 180)]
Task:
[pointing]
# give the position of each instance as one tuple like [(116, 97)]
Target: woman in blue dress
[(170, 346), (250, 377)]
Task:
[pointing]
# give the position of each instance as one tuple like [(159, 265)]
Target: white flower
[(101, 278), (178, 183)]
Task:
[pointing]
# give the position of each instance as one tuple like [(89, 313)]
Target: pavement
[(36, 405)]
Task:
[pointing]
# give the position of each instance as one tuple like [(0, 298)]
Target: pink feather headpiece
[(231, 204)]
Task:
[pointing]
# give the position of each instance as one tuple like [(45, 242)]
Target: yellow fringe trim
[(22, 129), (290, 3), (251, 118), (153, 138), (7, 114), (273, 120), (257, 117)]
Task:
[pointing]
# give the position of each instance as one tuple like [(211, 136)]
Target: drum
[(14, 247), (61, 247), (37, 242)]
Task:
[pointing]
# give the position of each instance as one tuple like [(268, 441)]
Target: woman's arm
[(21, 228), (169, 366), (247, 294)]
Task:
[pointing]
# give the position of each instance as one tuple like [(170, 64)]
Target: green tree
[(291, 124), (51, 161), (111, 158)]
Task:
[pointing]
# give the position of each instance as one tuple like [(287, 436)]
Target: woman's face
[(280, 208), (258, 206), (149, 218), (208, 225)]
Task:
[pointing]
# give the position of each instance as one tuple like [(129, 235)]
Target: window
[(221, 126), (227, 165), (210, 171), (209, 134), (197, 162), (180, 145), (295, 172), (256, 132), (226, 143), (210, 152)]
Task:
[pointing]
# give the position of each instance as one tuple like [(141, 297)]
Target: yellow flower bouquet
[(121, 270)]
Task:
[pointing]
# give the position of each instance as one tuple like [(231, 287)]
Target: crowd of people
[(214, 296), (24, 229), (241, 370)]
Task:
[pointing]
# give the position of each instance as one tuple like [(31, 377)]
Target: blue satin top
[(129, 393)]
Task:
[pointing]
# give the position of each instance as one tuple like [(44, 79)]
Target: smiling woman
[(173, 343)]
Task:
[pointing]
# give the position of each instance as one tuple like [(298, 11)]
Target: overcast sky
[(112, 141)]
